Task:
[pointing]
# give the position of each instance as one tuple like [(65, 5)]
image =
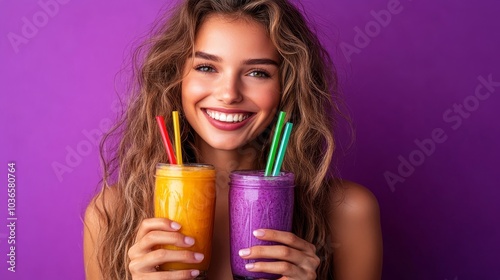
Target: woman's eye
[(205, 68), (259, 74)]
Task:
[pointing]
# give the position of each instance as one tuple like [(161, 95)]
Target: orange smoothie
[(186, 194)]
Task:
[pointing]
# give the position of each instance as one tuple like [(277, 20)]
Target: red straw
[(166, 140)]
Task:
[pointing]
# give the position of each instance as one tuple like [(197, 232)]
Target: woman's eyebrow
[(207, 56), (260, 61), (253, 61)]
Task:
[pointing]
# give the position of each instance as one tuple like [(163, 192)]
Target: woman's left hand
[(297, 258)]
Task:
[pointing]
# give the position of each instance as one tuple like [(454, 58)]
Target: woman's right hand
[(144, 258)]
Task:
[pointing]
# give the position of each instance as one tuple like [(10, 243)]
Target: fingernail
[(189, 240), (244, 252), (175, 225), (199, 256), (258, 233), (195, 273), (249, 265)]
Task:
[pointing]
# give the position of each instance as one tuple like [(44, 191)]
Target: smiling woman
[(234, 74), (229, 66)]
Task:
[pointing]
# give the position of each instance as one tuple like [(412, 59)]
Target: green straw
[(282, 150), (274, 144)]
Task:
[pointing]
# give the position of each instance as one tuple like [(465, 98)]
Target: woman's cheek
[(197, 88)]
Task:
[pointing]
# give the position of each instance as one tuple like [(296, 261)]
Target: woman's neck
[(226, 161)]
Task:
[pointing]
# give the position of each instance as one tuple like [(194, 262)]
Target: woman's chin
[(226, 146)]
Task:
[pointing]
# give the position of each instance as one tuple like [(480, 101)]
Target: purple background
[(440, 223)]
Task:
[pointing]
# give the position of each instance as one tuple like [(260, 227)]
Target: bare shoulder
[(93, 228), (103, 200), (99, 206), (357, 234), (355, 202)]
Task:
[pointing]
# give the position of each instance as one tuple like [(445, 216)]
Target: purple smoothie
[(257, 201)]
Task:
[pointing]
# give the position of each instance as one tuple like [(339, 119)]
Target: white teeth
[(224, 117)]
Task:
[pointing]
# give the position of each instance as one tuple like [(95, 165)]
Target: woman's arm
[(358, 238), (90, 233), (92, 229)]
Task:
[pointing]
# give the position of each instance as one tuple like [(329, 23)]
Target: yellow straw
[(177, 136)]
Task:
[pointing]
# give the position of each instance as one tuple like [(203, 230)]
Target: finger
[(155, 238), (177, 274), (286, 238), (151, 224), (283, 268), (149, 261), (283, 253)]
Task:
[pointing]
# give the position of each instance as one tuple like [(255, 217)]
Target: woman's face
[(231, 88)]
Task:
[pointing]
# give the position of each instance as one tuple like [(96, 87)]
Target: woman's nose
[(229, 91)]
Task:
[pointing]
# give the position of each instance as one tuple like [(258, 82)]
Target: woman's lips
[(225, 119)]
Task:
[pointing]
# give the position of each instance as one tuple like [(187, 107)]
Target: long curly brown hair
[(309, 96)]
